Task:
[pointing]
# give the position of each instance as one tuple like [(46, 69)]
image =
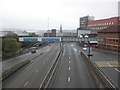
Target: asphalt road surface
[(7, 64), (33, 74), (72, 71), (105, 59)]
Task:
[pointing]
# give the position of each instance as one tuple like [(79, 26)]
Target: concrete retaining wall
[(14, 68), (101, 79)]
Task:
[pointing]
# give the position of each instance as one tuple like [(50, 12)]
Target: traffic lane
[(42, 71), (11, 62), (112, 74), (104, 56), (36, 71), (100, 56), (70, 73), (61, 79), (80, 75)]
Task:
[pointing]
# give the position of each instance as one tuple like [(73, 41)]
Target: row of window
[(111, 40), (114, 40), (102, 24), (99, 28)]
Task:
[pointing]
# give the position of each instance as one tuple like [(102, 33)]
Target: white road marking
[(68, 79), (26, 83), (69, 57), (116, 69), (75, 50), (36, 70), (63, 53), (109, 65), (69, 62), (69, 68)]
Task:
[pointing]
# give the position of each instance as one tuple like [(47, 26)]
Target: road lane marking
[(69, 62), (36, 70), (69, 57), (109, 64), (69, 68), (75, 49), (116, 69), (26, 83), (68, 79), (64, 53)]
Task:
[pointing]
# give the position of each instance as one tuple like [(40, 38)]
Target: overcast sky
[(35, 14)]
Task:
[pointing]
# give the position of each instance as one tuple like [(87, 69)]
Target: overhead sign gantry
[(39, 39)]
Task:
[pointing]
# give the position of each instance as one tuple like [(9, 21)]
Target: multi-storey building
[(84, 21), (109, 38), (98, 25), (50, 33)]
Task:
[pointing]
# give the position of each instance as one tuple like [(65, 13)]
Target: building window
[(117, 40)]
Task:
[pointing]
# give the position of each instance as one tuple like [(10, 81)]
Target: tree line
[(11, 45)]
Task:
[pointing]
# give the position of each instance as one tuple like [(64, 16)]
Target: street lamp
[(89, 54), (81, 36), (88, 42)]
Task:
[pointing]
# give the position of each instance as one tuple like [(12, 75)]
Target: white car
[(85, 49)]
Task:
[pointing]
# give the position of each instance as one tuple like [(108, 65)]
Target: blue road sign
[(50, 39), (30, 39), (39, 39)]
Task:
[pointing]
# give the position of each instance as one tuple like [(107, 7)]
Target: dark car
[(33, 49)]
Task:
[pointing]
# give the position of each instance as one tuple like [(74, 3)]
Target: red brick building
[(97, 25), (109, 38)]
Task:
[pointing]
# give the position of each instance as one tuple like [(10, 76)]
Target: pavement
[(31, 75)]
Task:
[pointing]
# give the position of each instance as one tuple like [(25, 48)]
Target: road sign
[(39, 39), (29, 39), (21, 39), (51, 39)]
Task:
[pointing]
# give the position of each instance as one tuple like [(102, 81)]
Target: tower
[(60, 28)]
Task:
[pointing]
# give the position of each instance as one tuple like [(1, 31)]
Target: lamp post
[(86, 38), (81, 36), (89, 53)]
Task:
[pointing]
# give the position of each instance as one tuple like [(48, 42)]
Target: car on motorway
[(85, 49), (33, 49)]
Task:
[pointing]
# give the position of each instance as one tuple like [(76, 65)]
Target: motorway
[(33, 74), (72, 71)]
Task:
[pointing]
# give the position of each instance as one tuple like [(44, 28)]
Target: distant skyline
[(44, 14)]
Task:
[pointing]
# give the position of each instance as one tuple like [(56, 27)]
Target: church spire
[(60, 28)]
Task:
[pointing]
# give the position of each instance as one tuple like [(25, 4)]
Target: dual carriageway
[(71, 71)]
